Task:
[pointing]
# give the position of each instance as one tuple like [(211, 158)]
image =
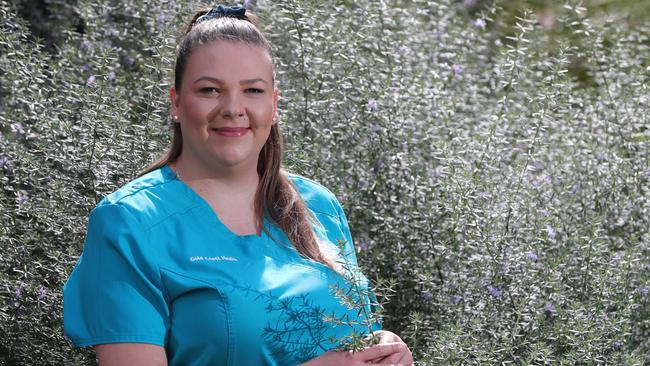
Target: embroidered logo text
[(217, 258)]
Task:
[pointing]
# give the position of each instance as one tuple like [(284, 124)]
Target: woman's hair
[(276, 196)]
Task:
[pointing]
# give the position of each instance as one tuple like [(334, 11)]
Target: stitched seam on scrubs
[(160, 220), (332, 197), (137, 188), (157, 282), (226, 303), (300, 177), (140, 187), (139, 338), (145, 233), (165, 218)]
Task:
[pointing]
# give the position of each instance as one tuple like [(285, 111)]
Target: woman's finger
[(394, 358), (379, 351), (377, 360), (402, 358), (406, 359)]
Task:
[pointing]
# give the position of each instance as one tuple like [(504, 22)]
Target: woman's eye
[(209, 90), (255, 90)]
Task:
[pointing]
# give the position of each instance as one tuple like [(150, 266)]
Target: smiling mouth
[(231, 131)]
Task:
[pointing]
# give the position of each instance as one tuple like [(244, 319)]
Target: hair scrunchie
[(223, 11)]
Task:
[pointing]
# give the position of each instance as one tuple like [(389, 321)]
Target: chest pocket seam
[(224, 298)]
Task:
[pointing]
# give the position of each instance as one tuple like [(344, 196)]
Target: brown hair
[(276, 196)]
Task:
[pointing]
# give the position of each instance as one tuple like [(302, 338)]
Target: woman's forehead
[(226, 59)]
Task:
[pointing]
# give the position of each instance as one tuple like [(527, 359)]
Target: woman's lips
[(231, 131)]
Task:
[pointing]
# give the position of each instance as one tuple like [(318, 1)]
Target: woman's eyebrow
[(252, 81), (219, 81)]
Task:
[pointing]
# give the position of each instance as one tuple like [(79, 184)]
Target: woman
[(215, 256)]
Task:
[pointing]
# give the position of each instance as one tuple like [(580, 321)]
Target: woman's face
[(226, 105)]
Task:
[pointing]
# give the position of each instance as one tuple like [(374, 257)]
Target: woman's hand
[(381, 351), (405, 357)]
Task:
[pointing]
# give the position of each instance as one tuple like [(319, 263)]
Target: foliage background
[(493, 161)]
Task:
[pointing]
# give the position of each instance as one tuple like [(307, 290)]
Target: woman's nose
[(233, 107)]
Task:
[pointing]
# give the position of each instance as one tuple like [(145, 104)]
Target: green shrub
[(498, 178)]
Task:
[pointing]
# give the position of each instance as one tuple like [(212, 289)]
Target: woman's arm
[(127, 354)]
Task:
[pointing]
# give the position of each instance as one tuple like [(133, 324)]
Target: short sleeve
[(114, 293)]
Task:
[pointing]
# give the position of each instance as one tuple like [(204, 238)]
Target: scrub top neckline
[(171, 174)]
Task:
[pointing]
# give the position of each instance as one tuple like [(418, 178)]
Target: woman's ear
[(173, 99)]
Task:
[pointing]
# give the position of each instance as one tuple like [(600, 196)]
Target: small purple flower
[(90, 81), (598, 322), (496, 292), (85, 68), (544, 179), (536, 166), (402, 50), (248, 4), (18, 128), (22, 197), (549, 309), (532, 256), (86, 45), (110, 76), (457, 70), (469, 3), (378, 165), (618, 256), (643, 291), (427, 296), (364, 245), (162, 18), (129, 61), (20, 289), (454, 300), (550, 232), (480, 23), (617, 345), (372, 105), (5, 163), (41, 293)]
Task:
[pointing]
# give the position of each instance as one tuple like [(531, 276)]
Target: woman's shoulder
[(150, 197), (317, 197)]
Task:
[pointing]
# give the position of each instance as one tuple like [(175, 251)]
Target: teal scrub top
[(159, 267)]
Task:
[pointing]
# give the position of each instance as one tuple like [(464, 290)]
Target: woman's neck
[(238, 181), (231, 196)]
